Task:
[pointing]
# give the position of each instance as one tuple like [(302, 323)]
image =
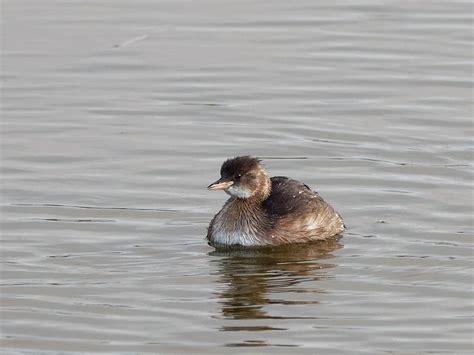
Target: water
[(117, 115)]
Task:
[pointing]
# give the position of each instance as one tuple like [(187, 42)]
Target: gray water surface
[(117, 115)]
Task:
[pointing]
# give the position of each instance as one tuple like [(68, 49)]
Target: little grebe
[(264, 211)]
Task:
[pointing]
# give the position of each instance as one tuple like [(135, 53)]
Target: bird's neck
[(264, 190), (248, 213)]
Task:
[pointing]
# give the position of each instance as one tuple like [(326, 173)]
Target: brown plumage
[(265, 211)]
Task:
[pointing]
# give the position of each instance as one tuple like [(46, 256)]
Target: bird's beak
[(220, 184)]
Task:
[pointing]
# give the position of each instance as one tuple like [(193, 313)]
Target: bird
[(268, 211)]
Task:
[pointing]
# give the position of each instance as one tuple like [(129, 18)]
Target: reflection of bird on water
[(252, 275)]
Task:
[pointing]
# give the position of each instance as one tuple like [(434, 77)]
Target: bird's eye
[(238, 176)]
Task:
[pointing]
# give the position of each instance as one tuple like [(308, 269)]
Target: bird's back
[(299, 214)]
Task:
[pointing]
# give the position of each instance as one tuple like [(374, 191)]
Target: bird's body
[(265, 211)]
